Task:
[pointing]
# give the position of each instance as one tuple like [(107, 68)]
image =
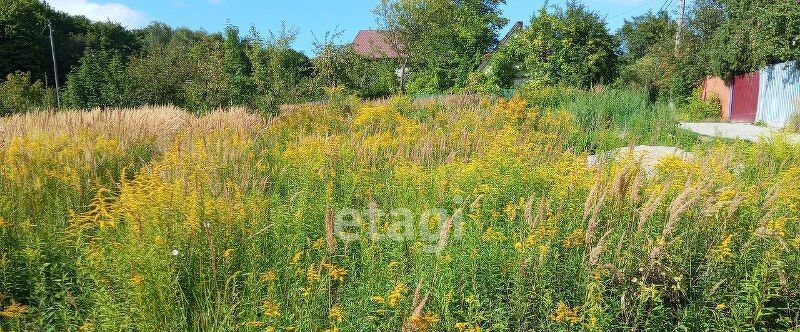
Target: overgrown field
[(454, 214)]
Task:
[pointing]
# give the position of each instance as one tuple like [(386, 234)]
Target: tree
[(753, 33), (643, 32), (99, 81), (442, 41), (568, 46), (237, 67), (278, 71)]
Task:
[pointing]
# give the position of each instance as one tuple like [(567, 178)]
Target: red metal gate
[(745, 98)]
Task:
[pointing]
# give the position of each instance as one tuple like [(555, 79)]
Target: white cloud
[(96, 11)]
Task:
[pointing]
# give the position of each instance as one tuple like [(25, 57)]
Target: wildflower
[(396, 295), (543, 250), (720, 306), (319, 243), (336, 313), (510, 211), (268, 276), (254, 324), (271, 309), (335, 272), (564, 314), (86, 327), (312, 274), (392, 264), (574, 239), (137, 279), (423, 323), (14, 310), (175, 252), (777, 227), (332, 329), (378, 299), (2, 222), (296, 257), (723, 250), (491, 235), (467, 327), (227, 253)]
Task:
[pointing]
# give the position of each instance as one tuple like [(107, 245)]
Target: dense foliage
[(566, 46), (440, 42)]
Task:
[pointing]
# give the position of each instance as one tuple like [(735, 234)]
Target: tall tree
[(237, 68), (569, 46), (643, 32), (443, 40)]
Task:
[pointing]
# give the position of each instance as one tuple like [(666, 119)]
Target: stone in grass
[(648, 156)]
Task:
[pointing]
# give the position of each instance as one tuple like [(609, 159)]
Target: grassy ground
[(454, 214)]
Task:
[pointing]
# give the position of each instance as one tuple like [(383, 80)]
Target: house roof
[(517, 27), (375, 44)]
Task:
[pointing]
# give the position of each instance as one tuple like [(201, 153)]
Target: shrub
[(697, 109), (18, 94), (794, 122)]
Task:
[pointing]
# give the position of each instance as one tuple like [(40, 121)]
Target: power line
[(633, 9)]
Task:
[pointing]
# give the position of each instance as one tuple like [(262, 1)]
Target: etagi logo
[(400, 224)]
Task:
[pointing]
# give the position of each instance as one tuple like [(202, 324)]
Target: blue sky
[(310, 17)]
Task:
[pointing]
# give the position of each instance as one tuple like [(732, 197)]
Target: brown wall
[(715, 86)]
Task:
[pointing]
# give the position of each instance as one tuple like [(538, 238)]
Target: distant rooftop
[(375, 44)]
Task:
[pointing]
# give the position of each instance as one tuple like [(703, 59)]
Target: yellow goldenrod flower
[(227, 253), (268, 276), (491, 235), (254, 324), (722, 251), (565, 314), (335, 272), (14, 310), (574, 239), (396, 295), (271, 309), (335, 313), (296, 258), (720, 306), (312, 274), (423, 323), (137, 279), (378, 299)]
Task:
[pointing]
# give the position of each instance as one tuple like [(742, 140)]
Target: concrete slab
[(743, 131)]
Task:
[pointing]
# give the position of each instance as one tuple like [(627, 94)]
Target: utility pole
[(55, 65), (681, 18)]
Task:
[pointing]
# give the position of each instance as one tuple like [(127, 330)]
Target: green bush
[(18, 94), (794, 122), (697, 109)]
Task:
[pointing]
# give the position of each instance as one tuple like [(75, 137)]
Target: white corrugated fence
[(778, 93)]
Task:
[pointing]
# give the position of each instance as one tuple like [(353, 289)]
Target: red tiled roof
[(374, 44)]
